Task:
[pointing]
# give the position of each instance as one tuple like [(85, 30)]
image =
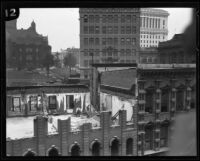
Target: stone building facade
[(108, 35), (153, 27), (25, 48)]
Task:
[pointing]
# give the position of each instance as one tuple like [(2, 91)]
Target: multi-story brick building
[(25, 47), (153, 26), (108, 35)]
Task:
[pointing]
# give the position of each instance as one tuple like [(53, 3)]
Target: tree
[(48, 61), (70, 61)]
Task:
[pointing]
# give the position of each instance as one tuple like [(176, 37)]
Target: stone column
[(86, 128), (40, 132), (140, 118), (157, 115), (105, 122), (64, 128), (172, 105), (188, 94), (122, 123)]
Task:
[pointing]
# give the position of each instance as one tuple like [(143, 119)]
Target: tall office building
[(108, 35), (153, 27)]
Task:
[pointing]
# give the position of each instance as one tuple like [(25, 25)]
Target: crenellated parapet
[(107, 139)]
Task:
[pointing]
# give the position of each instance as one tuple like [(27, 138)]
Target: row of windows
[(148, 60), (29, 50), (110, 41), (110, 52), (109, 30), (150, 22), (109, 18), (149, 45), (150, 41), (35, 103), (88, 62), (151, 36)]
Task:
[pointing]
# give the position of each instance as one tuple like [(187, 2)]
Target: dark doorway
[(53, 152), (129, 146), (70, 101), (29, 154), (96, 149), (115, 148), (75, 150)]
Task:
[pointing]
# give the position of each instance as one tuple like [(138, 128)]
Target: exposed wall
[(61, 103), (115, 103)]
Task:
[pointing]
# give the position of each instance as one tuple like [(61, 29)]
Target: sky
[(61, 25)]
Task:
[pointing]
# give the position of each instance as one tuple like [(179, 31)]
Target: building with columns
[(108, 35), (153, 27)]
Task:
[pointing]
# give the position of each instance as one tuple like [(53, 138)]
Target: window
[(134, 30), (97, 30), (122, 52), (128, 18), (91, 29), (85, 19), (52, 102), (115, 41), (29, 57), (122, 41), (122, 30), (133, 41), (85, 63), (91, 18), (110, 42), (97, 52), (96, 18), (33, 103), (149, 101), (128, 41), (104, 41), (110, 19), (164, 100), (115, 30), (85, 30), (164, 136), (104, 19), (122, 19), (85, 41), (85, 52), (70, 101), (16, 104), (97, 41), (104, 29), (128, 52), (91, 41), (110, 31), (128, 29), (179, 100), (133, 18), (148, 138), (115, 18)]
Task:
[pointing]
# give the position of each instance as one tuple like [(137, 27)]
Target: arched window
[(75, 150), (95, 148), (129, 146), (115, 147), (53, 151), (29, 153)]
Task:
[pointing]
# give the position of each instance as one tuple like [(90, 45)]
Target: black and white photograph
[(101, 82)]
